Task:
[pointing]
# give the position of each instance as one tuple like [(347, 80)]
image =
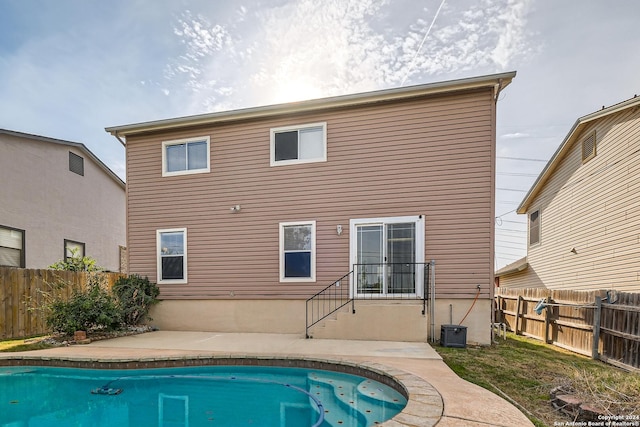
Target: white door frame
[(353, 246)]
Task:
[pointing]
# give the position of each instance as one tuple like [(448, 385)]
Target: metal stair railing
[(328, 301)]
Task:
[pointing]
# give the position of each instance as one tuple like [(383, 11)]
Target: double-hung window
[(299, 144), (185, 156), (11, 247), (172, 255), (298, 251)]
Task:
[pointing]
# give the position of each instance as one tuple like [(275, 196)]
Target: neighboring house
[(584, 209), (57, 198), (240, 216)]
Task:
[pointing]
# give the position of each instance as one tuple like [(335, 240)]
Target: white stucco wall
[(39, 194)]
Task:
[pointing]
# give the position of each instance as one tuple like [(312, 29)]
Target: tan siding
[(431, 157), (594, 208)]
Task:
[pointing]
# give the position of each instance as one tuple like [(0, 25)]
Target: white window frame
[(166, 144), (273, 132), (284, 279), (420, 247), (159, 256)]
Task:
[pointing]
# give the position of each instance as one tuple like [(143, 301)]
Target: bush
[(135, 297), (76, 263), (93, 308)]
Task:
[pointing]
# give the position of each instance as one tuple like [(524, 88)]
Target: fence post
[(596, 329), (547, 309), (519, 304)]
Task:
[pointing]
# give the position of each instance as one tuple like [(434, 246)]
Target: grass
[(525, 371), (37, 343)]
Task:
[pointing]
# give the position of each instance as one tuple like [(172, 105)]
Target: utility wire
[(521, 158), (422, 43)]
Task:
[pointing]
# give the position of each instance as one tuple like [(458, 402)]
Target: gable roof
[(564, 148), (76, 145), (496, 81)]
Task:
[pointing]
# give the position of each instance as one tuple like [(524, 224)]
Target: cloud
[(277, 53)]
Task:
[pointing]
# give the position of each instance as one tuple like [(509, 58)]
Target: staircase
[(331, 313), (375, 320)]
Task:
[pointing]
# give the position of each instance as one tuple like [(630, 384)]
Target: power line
[(511, 189), (524, 159), (529, 175), (514, 222)]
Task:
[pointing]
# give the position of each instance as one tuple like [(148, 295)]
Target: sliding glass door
[(387, 255)]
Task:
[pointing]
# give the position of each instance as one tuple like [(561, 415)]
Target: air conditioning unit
[(453, 336)]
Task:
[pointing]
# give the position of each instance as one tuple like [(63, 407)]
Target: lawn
[(24, 344), (524, 371)]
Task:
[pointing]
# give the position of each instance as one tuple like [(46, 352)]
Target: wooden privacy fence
[(23, 291), (601, 324)]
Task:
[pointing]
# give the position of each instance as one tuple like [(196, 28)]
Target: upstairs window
[(589, 147), (172, 255), (534, 228), (76, 163), (11, 247), (298, 252), (299, 144), (185, 156)]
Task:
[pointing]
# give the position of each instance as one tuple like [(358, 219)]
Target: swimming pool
[(193, 396)]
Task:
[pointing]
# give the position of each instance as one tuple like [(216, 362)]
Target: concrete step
[(400, 320)]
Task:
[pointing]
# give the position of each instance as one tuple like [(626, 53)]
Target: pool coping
[(424, 403)]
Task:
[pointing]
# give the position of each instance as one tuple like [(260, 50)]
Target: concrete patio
[(458, 403)]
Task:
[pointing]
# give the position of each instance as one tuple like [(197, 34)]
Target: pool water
[(200, 396)]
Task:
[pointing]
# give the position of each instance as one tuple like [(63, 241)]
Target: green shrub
[(135, 297), (93, 308), (76, 263)]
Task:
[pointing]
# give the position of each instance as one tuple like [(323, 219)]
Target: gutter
[(430, 89), (119, 139)]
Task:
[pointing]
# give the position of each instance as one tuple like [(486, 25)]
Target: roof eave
[(515, 267), (566, 144), (80, 146), (496, 80)]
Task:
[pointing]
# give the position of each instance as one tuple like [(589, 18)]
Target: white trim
[(313, 252), (159, 261), (420, 245), (165, 144), (272, 150)]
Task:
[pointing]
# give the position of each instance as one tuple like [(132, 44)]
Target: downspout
[(497, 88), (119, 139)]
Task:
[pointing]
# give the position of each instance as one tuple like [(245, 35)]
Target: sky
[(70, 68)]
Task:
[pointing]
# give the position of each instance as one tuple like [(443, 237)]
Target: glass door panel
[(370, 259), (400, 259)]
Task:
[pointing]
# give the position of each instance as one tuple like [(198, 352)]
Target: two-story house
[(583, 211), (56, 199), (240, 216)]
